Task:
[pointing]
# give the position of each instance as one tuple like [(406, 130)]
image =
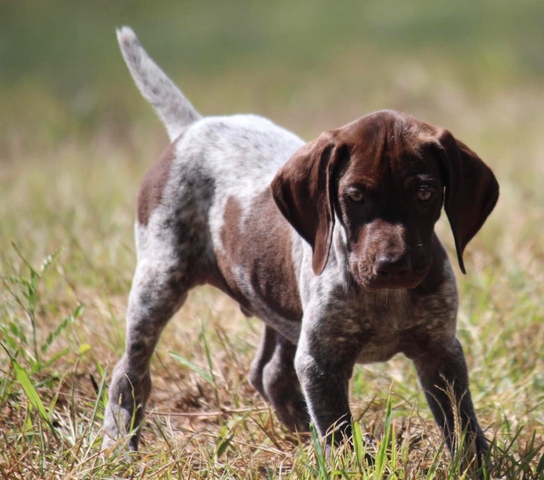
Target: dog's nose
[(389, 267)]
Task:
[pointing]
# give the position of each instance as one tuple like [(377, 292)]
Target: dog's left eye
[(424, 195)]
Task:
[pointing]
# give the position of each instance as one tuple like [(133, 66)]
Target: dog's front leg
[(324, 368), (444, 377)]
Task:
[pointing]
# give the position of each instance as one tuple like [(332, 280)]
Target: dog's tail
[(175, 111)]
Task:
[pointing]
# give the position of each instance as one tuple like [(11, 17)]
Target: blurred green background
[(310, 65)]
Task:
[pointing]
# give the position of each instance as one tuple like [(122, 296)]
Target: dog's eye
[(424, 195), (356, 196)]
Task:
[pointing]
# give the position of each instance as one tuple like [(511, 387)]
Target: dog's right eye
[(356, 196)]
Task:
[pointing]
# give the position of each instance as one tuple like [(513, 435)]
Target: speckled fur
[(214, 221)]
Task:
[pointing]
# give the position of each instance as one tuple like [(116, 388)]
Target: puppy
[(330, 243)]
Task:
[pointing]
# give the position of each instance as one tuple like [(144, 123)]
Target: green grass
[(75, 141)]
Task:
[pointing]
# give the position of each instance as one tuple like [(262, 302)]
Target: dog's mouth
[(408, 280), (374, 283)]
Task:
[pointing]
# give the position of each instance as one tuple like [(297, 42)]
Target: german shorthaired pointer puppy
[(331, 244)]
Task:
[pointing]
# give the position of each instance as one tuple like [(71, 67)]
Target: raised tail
[(175, 111)]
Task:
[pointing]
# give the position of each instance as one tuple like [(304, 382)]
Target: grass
[(74, 145)]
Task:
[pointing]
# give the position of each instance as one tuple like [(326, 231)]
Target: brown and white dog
[(331, 244)]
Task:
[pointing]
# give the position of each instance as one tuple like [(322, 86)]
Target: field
[(76, 139)]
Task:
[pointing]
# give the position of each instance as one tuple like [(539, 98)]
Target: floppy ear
[(303, 192), (471, 191)]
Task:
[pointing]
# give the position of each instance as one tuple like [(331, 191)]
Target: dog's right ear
[(303, 191)]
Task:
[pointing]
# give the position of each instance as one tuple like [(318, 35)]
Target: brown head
[(385, 178)]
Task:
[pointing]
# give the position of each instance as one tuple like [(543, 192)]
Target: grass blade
[(381, 456), (195, 368), (320, 454), (30, 391)]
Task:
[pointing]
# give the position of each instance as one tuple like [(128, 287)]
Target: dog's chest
[(380, 325), (382, 319)]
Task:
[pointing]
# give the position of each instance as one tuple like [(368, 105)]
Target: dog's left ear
[(303, 191), (471, 191)]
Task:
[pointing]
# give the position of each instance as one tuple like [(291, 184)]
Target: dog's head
[(385, 178)]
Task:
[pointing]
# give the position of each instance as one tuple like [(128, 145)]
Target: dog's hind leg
[(262, 357), (273, 375), (159, 289)]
